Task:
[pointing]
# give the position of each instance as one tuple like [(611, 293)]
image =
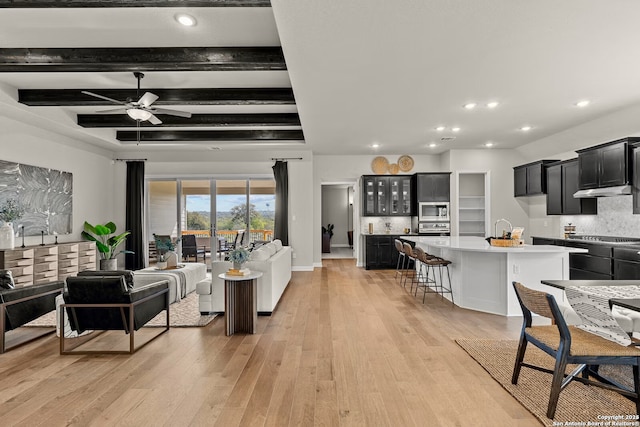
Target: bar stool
[(423, 280), (401, 254), (408, 251), (440, 263)]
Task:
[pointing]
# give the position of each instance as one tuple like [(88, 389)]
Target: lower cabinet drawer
[(626, 270), (590, 263), (575, 274)]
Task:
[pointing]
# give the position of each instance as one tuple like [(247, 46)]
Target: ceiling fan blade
[(147, 99), (103, 97), (113, 111), (154, 120), (172, 112)]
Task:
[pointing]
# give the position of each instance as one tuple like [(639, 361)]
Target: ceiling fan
[(141, 109)]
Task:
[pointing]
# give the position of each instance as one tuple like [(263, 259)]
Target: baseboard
[(302, 268), (264, 313)]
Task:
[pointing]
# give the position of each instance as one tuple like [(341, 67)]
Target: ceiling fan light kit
[(141, 110), (138, 114)]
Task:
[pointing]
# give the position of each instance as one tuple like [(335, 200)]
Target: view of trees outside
[(232, 219)]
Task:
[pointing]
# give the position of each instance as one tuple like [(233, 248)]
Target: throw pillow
[(271, 248), (278, 244), (259, 255), (6, 280), (127, 274)]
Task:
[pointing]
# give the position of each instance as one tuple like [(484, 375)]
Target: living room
[(346, 103)]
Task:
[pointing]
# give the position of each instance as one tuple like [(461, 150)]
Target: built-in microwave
[(433, 211)]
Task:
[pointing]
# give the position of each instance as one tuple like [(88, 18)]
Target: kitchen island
[(481, 274)]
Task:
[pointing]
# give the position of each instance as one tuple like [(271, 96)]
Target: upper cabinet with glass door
[(386, 195)]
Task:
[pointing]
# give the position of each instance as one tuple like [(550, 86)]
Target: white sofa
[(272, 259)]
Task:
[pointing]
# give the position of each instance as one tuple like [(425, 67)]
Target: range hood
[(620, 190)]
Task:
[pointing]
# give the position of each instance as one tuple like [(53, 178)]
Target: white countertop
[(479, 244)]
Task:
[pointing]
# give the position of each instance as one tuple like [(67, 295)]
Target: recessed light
[(186, 20), (488, 144), (492, 104), (375, 145), (582, 103), (433, 145), (470, 106), (440, 128), (455, 129), (525, 128)]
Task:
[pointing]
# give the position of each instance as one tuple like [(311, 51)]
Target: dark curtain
[(281, 226), (135, 215)]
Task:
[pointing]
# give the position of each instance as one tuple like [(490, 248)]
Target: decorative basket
[(506, 243)]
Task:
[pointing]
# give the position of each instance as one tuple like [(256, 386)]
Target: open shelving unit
[(472, 211)]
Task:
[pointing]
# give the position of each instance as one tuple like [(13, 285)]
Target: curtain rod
[(286, 158), (130, 160)]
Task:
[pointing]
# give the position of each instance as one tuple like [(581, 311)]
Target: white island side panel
[(481, 275)]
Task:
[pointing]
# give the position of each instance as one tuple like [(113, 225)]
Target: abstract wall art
[(45, 194)]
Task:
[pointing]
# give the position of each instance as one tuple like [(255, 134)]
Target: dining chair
[(570, 345), (190, 248)]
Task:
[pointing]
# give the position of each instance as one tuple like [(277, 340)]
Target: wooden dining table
[(592, 300)]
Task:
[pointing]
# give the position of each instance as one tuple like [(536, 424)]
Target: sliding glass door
[(212, 210)]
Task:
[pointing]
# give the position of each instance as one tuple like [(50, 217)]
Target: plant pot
[(7, 236), (109, 264), (162, 265), (237, 266), (326, 243)]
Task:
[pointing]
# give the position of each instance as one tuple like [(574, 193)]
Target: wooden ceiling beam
[(203, 136), (142, 59), (196, 120), (191, 96), (38, 4)]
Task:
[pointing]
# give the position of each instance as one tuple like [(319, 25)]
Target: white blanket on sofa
[(182, 281)]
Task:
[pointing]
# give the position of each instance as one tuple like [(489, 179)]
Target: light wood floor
[(345, 346)]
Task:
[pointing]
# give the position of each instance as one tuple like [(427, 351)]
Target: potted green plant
[(327, 234), (166, 248), (238, 257), (107, 243)]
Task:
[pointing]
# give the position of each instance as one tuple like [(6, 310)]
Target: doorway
[(338, 211)]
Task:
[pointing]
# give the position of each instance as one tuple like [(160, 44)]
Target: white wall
[(247, 165), (499, 163), (94, 174), (335, 210)]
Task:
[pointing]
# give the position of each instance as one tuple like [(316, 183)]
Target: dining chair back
[(570, 345)]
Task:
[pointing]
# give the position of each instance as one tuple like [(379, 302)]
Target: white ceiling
[(368, 71)]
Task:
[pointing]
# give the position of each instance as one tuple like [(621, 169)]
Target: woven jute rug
[(578, 404), (183, 314)]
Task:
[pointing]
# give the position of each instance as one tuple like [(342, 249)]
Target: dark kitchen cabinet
[(626, 263), (386, 195), (432, 187), (530, 179), (554, 190), (400, 195), (562, 183), (380, 252), (605, 165), (597, 264)]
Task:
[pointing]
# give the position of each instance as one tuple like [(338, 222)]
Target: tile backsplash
[(398, 223), (615, 218)]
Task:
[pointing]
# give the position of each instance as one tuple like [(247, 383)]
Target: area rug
[(183, 314), (578, 404)]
